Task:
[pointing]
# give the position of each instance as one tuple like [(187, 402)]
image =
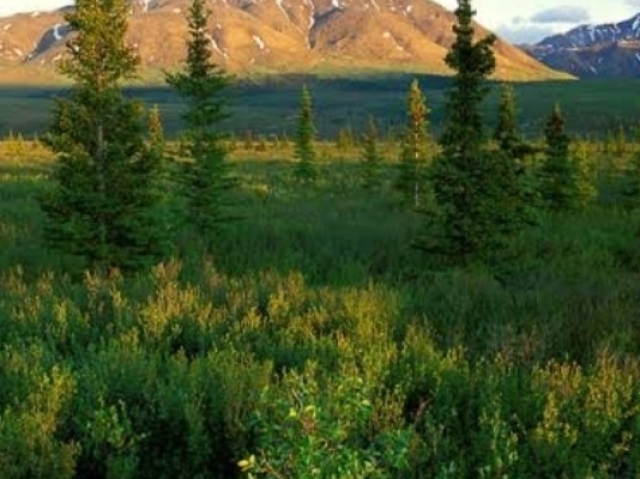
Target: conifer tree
[(156, 130), (415, 146), (305, 140), (207, 177), (520, 193), (103, 205), (507, 133), (371, 157), (469, 181), (559, 175)]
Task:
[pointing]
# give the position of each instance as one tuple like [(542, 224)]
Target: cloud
[(564, 14), (633, 3), (544, 23), (524, 33)]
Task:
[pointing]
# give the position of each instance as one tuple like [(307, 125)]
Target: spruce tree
[(519, 193), (468, 179), (156, 130), (371, 157), (559, 175), (507, 132), (415, 147), (104, 202), (305, 140), (206, 178)]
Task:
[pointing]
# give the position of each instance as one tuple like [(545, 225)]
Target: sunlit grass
[(314, 336)]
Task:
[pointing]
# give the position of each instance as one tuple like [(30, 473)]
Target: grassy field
[(591, 107), (315, 342)]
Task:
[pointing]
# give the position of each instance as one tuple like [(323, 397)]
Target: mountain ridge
[(272, 36), (587, 51)]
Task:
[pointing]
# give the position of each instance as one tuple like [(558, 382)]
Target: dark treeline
[(593, 108)]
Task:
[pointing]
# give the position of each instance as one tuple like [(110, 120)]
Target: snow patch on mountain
[(258, 41), (56, 32)]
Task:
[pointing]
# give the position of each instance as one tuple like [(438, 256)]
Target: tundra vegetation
[(311, 339)]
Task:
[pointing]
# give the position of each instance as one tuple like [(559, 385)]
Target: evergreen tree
[(507, 133), (104, 203), (469, 180), (559, 175), (206, 178), (519, 193), (156, 130), (371, 157), (305, 140), (415, 146)]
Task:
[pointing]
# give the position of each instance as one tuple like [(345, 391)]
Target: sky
[(518, 21)]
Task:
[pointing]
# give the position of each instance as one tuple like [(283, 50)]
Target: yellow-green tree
[(415, 148)]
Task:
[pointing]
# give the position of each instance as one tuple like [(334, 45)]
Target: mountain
[(268, 36), (607, 50)]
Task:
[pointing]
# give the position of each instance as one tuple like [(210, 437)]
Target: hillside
[(606, 50), (269, 36)]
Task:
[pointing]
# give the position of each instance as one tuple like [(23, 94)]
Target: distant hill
[(606, 50), (270, 36)]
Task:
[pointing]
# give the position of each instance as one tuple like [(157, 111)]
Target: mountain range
[(270, 36), (606, 50)]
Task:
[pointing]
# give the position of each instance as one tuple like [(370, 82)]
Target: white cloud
[(562, 14), (9, 7), (525, 33)]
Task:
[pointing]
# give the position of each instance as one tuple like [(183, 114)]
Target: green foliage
[(305, 141), (507, 132), (415, 147), (30, 441), (323, 430), (476, 189), (585, 165), (156, 130), (631, 190), (104, 202), (371, 156), (560, 174), (202, 85), (391, 371), (345, 139), (519, 194)]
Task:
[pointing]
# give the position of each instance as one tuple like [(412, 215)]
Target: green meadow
[(315, 342)]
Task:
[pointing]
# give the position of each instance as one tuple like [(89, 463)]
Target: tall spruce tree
[(371, 157), (559, 175), (103, 205), (305, 140), (414, 154), (467, 178), (206, 179)]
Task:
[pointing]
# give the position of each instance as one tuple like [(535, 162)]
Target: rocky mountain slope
[(607, 50), (263, 36)]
